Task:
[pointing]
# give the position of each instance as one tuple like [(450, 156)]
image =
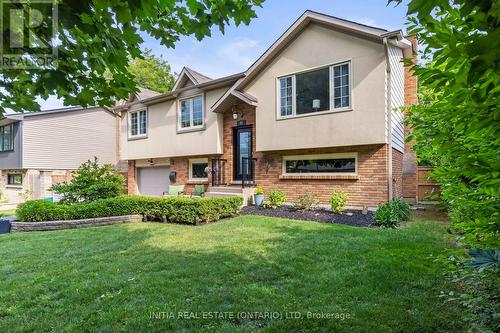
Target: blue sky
[(239, 47)]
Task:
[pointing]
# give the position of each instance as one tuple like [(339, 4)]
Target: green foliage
[(478, 292), (91, 182), (338, 200), (392, 213), (175, 209), (101, 36), (152, 72), (258, 190), (306, 201), (456, 127), (276, 198)]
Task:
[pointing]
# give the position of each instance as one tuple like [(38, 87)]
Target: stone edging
[(72, 224)]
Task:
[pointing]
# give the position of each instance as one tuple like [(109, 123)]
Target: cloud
[(240, 52)]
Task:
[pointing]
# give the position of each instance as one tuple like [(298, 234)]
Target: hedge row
[(175, 209)]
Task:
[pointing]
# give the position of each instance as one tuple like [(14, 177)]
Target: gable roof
[(342, 25), (191, 75)]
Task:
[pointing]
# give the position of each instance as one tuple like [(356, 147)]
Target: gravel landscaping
[(354, 218)]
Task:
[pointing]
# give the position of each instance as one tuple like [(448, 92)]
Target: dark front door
[(242, 148)]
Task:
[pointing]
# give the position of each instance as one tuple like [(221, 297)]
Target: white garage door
[(153, 181)]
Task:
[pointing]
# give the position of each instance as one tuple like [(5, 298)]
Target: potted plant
[(258, 196)]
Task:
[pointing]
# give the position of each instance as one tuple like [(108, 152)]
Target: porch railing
[(248, 171), (218, 172)]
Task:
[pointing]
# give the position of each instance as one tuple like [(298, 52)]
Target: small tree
[(91, 182)]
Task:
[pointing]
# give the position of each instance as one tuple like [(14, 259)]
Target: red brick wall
[(397, 173), (409, 169), (228, 126), (181, 166), (369, 188), (131, 178)]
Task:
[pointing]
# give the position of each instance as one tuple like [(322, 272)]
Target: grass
[(11, 212), (112, 278)]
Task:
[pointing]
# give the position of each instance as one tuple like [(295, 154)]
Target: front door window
[(242, 151)]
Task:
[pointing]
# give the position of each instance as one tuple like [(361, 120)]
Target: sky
[(221, 55)]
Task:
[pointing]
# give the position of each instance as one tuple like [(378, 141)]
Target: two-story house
[(318, 110), (40, 148)]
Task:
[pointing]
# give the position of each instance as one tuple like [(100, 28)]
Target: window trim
[(191, 127), (320, 156), (129, 124), (11, 125), (193, 161), (332, 91), (14, 174)]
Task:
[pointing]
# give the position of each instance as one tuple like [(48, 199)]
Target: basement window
[(15, 179), (322, 164)]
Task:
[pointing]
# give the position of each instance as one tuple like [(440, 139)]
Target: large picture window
[(319, 90), (138, 124), (191, 113), (197, 169), (7, 137), (323, 164)]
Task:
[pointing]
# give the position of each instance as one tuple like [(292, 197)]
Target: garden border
[(73, 224)]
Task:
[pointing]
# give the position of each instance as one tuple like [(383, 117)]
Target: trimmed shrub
[(306, 201), (91, 182), (276, 198), (392, 213), (338, 200), (175, 209)]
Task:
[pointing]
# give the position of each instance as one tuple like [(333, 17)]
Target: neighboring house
[(316, 111), (40, 148)]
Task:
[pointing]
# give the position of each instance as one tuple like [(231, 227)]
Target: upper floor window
[(7, 137), (138, 123), (191, 113), (319, 90)]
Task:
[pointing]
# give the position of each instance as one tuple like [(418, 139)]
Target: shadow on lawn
[(113, 278)]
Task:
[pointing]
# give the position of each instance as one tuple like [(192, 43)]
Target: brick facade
[(181, 166), (409, 169), (131, 178), (397, 173), (368, 188)]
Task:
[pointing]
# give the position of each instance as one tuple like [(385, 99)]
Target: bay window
[(191, 113), (319, 90)]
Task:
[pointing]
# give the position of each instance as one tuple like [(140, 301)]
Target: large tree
[(458, 127), (152, 72), (99, 36)]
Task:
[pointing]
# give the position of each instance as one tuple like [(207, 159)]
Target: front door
[(242, 148)]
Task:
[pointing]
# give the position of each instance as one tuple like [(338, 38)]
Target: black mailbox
[(172, 176)]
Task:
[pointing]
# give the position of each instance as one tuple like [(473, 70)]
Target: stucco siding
[(12, 159), (163, 138), (319, 46), (397, 96), (64, 140)]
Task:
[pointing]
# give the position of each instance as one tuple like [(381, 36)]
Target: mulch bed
[(354, 218)]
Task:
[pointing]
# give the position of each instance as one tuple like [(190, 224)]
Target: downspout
[(389, 118)]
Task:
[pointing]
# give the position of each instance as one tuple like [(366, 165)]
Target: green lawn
[(112, 278), (7, 212)]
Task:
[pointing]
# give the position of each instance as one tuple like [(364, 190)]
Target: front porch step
[(222, 194), (226, 189)]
